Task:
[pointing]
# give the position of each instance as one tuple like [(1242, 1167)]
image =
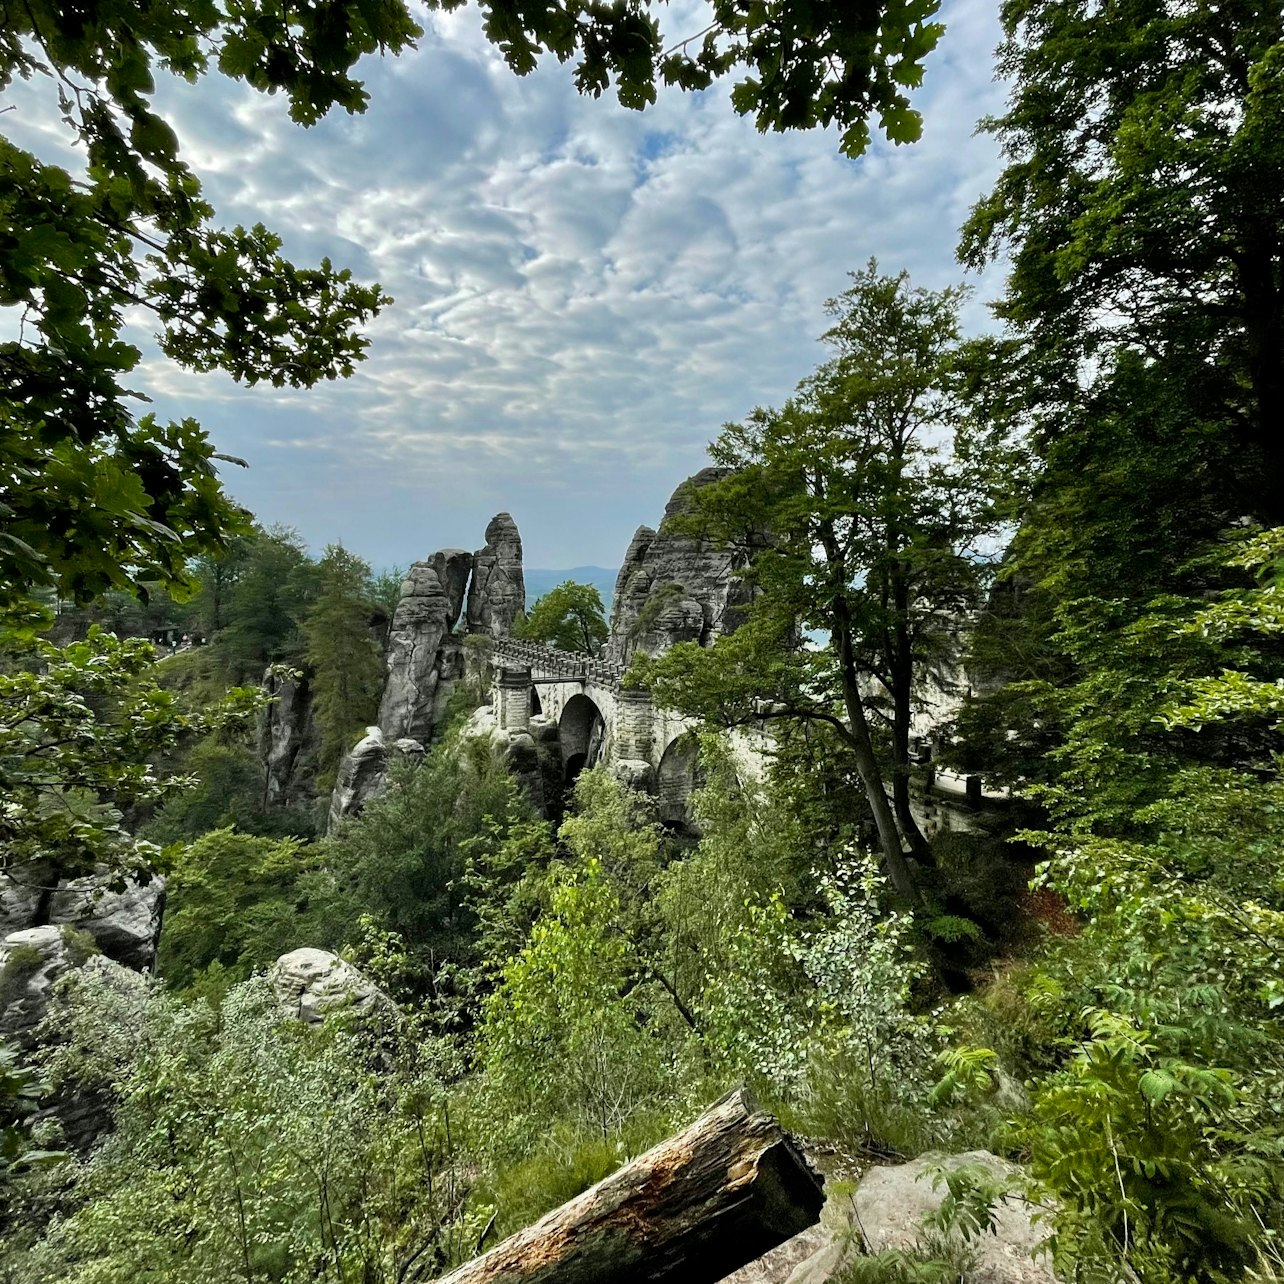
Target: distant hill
[(539, 582)]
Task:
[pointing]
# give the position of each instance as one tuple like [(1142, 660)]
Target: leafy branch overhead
[(91, 498), (833, 62)]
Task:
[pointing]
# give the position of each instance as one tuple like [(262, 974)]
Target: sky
[(583, 294)]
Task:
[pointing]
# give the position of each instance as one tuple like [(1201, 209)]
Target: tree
[(823, 63), (1140, 209), (570, 617), (91, 497), (345, 659), (264, 606), (878, 541), (79, 732)]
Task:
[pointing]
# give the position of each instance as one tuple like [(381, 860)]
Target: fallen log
[(694, 1208)]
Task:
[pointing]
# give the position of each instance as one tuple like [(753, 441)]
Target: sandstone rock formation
[(888, 1211), (426, 656), (497, 594), (24, 890), (675, 586), (311, 984), (454, 567), (31, 961), (286, 739), (364, 770), (126, 925), (420, 624)]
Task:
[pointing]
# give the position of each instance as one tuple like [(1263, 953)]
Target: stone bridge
[(599, 720)]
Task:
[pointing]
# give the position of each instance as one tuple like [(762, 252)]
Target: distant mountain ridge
[(539, 582)]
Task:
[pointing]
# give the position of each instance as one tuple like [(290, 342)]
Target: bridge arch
[(678, 776), (582, 732)]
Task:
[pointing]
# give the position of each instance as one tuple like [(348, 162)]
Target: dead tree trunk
[(694, 1208)]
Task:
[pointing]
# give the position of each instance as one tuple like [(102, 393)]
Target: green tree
[(79, 734), (878, 541), (246, 1146), (570, 617), (402, 861), (265, 605), (1138, 208), (93, 498), (345, 659), (232, 901)]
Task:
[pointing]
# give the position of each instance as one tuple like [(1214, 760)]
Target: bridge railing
[(550, 660)]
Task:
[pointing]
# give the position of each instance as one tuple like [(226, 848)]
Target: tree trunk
[(694, 1208)]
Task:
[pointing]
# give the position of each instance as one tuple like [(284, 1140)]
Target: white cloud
[(583, 294)]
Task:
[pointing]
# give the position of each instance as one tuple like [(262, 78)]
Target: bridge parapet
[(548, 660)]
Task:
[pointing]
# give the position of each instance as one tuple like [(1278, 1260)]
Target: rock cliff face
[(125, 924), (497, 593), (420, 625), (454, 567), (675, 587), (363, 771), (426, 658), (287, 740)]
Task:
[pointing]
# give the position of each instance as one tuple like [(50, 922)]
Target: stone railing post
[(633, 717), (513, 699)]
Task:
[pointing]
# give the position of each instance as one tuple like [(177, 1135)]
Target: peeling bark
[(694, 1208)]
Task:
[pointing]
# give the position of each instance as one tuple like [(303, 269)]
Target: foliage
[(21, 1090), (569, 617), (227, 792), (1142, 143), (402, 860), (877, 540), (263, 601), (805, 65), (248, 1147), (233, 900), (77, 739), (345, 658), (571, 1031), (92, 498)]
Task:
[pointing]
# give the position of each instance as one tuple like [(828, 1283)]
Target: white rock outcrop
[(125, 924), (311, 984)]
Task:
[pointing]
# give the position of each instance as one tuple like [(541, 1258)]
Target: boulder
[(286, 739), (887, 1211), (363, 771), (454, 566), (311, 984), (674, 586), (891, 1204), (31, 961), (497, 595), (24, 889), (420, 625), (126, 924)]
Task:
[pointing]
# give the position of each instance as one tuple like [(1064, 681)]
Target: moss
[(22, 963), (658, 600), (81, 946)]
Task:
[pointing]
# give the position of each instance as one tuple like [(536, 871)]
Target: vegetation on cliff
[(1094, 990)]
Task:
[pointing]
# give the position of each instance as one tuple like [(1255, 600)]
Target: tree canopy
[(877, 539), (569, 617), (92, 498), (1140, 205)]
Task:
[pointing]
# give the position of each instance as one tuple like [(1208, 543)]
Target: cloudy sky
[(583, 294)]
